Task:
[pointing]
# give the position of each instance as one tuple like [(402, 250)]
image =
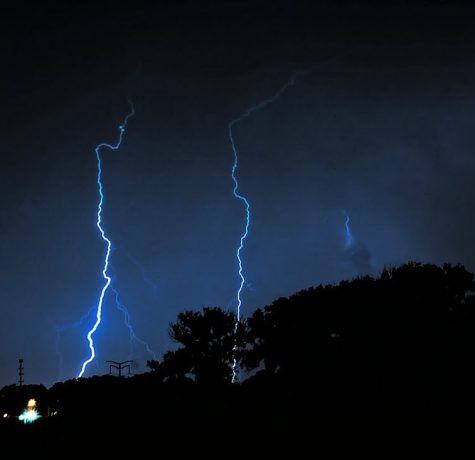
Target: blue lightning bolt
[(348, 234), (245, 201), (107, 278)]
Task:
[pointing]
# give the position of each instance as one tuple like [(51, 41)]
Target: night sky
[(381, 126)]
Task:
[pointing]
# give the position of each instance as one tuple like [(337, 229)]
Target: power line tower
[(119, 366), (21, 372)]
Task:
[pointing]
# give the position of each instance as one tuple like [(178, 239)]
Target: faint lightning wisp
[(245, 201), (348, 234), (107, 278), (132, 335), (153, 286)]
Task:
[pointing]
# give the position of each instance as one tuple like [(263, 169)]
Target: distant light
[(5, 415), (31, 405), (29, 416)]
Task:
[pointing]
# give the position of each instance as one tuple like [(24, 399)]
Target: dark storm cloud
[(382, 127)]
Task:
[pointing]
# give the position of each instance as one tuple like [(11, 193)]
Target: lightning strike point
[(59, 332)]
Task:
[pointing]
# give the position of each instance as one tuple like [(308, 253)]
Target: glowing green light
[(29, 416)]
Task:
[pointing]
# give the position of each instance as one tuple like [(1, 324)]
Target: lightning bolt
[(348, 234), (245, 201), (107, 241)]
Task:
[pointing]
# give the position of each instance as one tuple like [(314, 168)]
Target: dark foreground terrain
[(364, 359)]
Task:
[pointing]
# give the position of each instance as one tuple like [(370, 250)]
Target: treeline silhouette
[(398, 346)]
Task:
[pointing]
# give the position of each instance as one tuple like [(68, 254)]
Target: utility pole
[(20, 372), (119, 366)]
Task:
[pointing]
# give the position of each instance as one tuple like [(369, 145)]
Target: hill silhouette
[(397, 347)]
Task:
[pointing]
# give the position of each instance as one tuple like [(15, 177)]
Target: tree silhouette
[(208, 339), (408, 334)]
